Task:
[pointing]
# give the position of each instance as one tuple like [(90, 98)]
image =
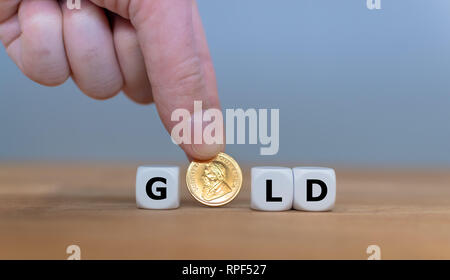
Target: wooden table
[(46, 207)]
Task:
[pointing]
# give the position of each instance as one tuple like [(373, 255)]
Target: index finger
[(177, 60)]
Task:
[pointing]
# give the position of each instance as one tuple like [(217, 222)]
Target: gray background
[(354, 87)]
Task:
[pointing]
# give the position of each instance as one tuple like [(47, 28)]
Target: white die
[(157, 187), (272, 188), (314, 188)]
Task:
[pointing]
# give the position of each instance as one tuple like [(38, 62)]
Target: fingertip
[(140, 99), (202, 152), (100, 91), (47, 76)]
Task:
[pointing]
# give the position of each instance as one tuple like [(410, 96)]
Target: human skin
[(152, 50)]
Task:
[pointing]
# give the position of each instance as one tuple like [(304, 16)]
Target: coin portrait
[(214, 178), (216, 182)]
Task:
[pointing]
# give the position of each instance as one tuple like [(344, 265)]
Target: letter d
[(309, 190)]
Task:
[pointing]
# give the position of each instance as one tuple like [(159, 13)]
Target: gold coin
[(215, 182)]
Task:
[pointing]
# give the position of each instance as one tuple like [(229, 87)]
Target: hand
[(153, 50)]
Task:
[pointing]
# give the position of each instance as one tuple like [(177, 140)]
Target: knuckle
[(41, 67)]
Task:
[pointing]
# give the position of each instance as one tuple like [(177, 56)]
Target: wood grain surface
[(45, 207)]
